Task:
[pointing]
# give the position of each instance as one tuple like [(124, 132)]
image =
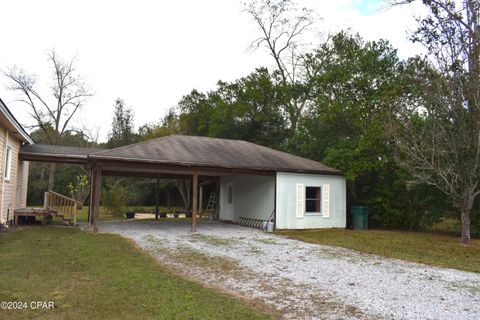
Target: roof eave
[(187, 164), (14, 122)]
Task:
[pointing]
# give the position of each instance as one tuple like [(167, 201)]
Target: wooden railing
[(63, 205)]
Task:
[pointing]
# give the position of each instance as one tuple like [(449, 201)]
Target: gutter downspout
[(3, 176)]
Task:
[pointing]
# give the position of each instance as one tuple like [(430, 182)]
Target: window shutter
[(326, 201), (300, 202)]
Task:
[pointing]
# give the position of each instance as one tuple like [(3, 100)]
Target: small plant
[(113, 200), (79, 189)]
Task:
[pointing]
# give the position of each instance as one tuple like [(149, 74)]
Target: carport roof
[(44, 152), (190, 151), (213, 152)]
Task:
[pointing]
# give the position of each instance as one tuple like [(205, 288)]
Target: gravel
[(302, 280)]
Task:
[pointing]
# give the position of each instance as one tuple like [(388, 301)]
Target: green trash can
[(359, 217)]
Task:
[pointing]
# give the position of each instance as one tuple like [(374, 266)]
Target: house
[(14, 172), (252, 182)]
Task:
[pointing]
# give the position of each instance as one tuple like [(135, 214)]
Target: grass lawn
[(434, 249), (100, 277)]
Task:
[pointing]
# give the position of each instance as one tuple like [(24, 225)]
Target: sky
[(151, 53)]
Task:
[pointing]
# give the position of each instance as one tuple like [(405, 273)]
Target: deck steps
[(55, 205)]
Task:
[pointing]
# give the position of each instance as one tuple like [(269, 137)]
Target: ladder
[(211, 206)]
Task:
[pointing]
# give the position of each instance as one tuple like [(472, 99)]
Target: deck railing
[(64, 205)]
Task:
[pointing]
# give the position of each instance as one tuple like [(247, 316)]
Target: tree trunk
[(351, 185), (465, 215), (51, 176)]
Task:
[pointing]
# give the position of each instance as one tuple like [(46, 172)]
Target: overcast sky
[(151, 53)]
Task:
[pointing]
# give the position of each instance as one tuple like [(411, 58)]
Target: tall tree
[(438, 135), (53, 115), (122, 132), (282, 24), (352, 80), (246, 109)]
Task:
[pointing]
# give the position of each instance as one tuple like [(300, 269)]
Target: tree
[(246, 109), (438, 131), (282, 24), (352, 81), (122, 132), (79, 189), (64, 173), (169, 124), (184, 186), (53, 115)]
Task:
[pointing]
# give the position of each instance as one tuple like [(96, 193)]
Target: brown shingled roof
[(213, 152)]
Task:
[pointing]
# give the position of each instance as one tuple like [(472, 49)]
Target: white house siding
[(8, 192), (286, 217), (22, 186), (254, 196)]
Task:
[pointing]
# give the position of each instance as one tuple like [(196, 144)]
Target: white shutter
[(326, 201), (300, 201)]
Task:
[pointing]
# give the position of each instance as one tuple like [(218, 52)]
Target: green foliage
[(170, 124), (247, 109), (79, 188), (64, 174), (122, 132), (114, 199)]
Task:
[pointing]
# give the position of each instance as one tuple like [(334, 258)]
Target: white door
[(230, 202)]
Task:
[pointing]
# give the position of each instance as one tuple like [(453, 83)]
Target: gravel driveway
[(302, 280)]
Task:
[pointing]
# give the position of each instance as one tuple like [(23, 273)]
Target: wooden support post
[(74, 214), (194, 201), (157, 198), (90, 206), (200, 201), (94, 197), (45, 201)]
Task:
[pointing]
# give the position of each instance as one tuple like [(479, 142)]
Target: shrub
[(113, 200)]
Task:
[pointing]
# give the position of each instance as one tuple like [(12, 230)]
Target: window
[(8, 164), (312, 199), (230, 194)]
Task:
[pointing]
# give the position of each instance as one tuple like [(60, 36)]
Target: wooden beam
[(114, 167), (194, 200), (97, 198), (90, 205), (200, 200), (94, 197), (157, 197)]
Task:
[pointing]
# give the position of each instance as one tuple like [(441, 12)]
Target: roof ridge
[(164, 137)]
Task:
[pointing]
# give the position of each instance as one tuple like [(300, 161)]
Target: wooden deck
[(33, 212), (54, 205)]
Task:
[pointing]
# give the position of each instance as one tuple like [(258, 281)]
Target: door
[(230, 202)]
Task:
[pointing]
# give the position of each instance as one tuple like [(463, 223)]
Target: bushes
[(113, 200)]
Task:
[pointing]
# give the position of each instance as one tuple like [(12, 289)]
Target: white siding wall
[(254, 196), (10, 187), (22, 184), (287, 201)]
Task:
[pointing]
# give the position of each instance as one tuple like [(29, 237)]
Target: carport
[(255, 169)]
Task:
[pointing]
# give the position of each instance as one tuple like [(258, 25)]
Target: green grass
[(100, 277), (433, 249)]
